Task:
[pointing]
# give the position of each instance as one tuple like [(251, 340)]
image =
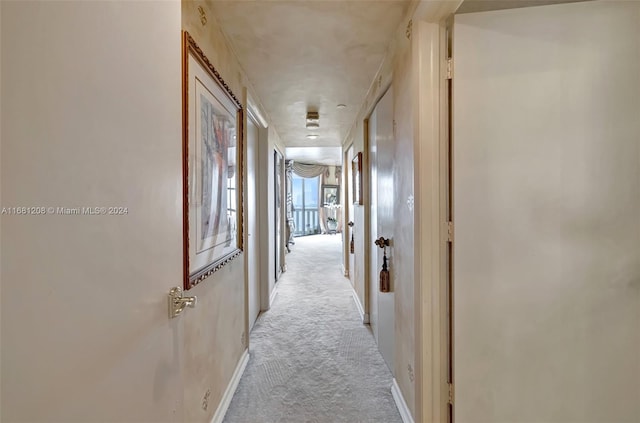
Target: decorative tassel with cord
[(385, 278), (352, 245)]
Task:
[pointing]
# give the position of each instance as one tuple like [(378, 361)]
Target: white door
[(381, 155), (546, 209), (86, 334), (253, 258)]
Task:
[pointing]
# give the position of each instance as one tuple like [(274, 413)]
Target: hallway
[(312, 359), (148, 153)]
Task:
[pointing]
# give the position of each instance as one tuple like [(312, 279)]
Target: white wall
[(91, 117), (216, 331), (397, 69), (547, 214)]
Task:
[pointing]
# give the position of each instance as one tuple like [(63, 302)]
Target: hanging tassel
[(352, 246), (385, 278)]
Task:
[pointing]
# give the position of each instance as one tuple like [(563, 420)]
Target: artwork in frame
[(212, 167), (330, 195), (356, 171)]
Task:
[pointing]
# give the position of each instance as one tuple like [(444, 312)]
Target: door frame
[(434, 394), (346, 217), (255, 115), (279, 248)]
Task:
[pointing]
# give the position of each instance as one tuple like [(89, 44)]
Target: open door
[(546, 149), (381, 155)]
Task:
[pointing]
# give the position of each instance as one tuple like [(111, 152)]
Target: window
[(306, 214)]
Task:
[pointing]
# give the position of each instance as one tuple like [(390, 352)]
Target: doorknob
[(178, 302), (350, 224), (382, 242)]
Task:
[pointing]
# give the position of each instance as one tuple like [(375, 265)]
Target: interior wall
[(547, 214), (421, 363), (91, 118), (397, 69), (404, 224), (215, 336)]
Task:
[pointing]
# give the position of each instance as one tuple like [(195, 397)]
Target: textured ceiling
[(472, 6), (305, 55)]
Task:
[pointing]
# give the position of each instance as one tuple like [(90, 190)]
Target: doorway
[(252, 256)]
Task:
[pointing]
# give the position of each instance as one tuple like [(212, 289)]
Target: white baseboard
[(231, 389), (363, 315), (403, 408)]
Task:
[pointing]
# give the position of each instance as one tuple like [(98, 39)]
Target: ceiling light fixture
[(312, 136), (313, 120), (341, 106)]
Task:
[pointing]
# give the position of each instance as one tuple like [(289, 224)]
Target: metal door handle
[(350, 224), (178, 302), (382, 242)]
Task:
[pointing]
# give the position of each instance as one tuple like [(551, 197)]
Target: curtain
[(305, 170)]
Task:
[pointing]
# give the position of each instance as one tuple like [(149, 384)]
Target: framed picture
[(330, 195), (211, 167), (356, 171)]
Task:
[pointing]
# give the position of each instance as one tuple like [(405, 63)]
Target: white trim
[(430, 211), (274, 293), (364, 316), (401, 404), (231, 389), (255, 111)]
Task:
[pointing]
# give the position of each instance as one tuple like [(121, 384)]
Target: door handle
[(178, 302), (350, 224), (382, 242)]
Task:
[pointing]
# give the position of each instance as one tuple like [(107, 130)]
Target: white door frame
[(346, 217), (431, 151), (256, 116)]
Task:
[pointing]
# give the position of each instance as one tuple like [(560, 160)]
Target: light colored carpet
[(312, 359)]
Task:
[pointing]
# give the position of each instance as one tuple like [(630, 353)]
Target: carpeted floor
[(312, 359)]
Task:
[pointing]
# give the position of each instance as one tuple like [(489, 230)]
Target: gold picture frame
[(211, 165), (356, 172)]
